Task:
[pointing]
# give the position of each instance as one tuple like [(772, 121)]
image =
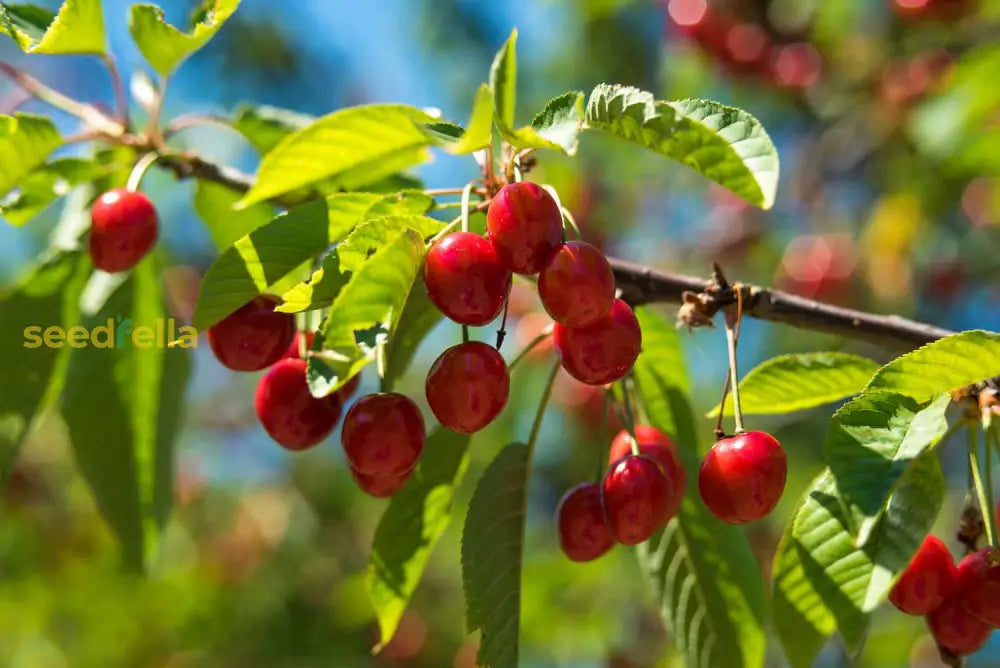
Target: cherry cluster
[(962, 605), (123, 229)]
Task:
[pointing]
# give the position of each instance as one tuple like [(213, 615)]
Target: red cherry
[(927, 581), (602, 352), (979, 586), (253, 337), (293, 347), (583, 535), (656, 445), (290, 414), (467, 386), (379, 486), (637, 498), (743, 476), (576, 285), (383, 434), (525, 225), (123, 227), (955, 629), (465, 278)]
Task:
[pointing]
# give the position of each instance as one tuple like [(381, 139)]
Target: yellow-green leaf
[(26, 140), (164, 46), (78, 27)]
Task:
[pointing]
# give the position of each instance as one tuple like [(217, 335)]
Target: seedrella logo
[(118, 332)]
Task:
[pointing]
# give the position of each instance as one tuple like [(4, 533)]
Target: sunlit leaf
[(727, 145), (805, 380), (78, 27), (492, 547), (25, 142), (214, 202), (411, 525), (164, 46)]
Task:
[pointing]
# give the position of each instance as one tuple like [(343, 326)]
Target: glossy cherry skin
[(467, 386), (656, 445), (927, 581), (583, 535), (576, 285), (525, 225), (289, 413), (603, 352), (955, 629), (743, 476), (979, 586), (123, 227), (465, 278), (253, 337), (383, 434), (637, 497), (379, 486)]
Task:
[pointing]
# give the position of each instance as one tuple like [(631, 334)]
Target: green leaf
[(703, 573), (795, 382), (214, 204), (503, 82), (375, 233), (478, 132), (350, 148), (492, 552), (411, 525), (823, 582), (25, 142), (870, 444), (122, 405), (945, 365), (371, 300), (558, 124), (47, 183), (319, 291), (30, 371), (266, 126), (77, 28), (164, 46), (418, 318), (727, 145), (259, 260)]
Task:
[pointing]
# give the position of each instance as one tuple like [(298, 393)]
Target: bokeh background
[(886, 115)]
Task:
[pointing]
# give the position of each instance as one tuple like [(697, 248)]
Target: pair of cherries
[(638, 495), (961, 604), (383, 434), (468, 278)]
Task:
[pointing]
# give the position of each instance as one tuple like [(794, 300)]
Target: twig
[(185, 121), (118, 86), (85, 112)]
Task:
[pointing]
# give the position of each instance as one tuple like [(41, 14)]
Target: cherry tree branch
[(644, 285)]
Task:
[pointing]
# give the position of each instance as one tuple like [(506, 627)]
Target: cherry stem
[(141, 166), (603, 441), (121, 100), (434, 192), (465, 333), (466, 194), (534, 343), (536, 426), (629, 417), (719, 431), (732, 339), (991, 435), (983, 493), (502, 332), (446, 229)]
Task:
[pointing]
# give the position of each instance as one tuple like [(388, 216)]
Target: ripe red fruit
[(927, 581), (468, 386), (979, 586), (637, 497), (955, 629), (602, 352), (525, 225), (576, 285), (466, 279), (253, 337), (293, 348), (383, 434), (656, 445), (290, 414), (583, 535), (743, 476), (379, 486), (123, 227)]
